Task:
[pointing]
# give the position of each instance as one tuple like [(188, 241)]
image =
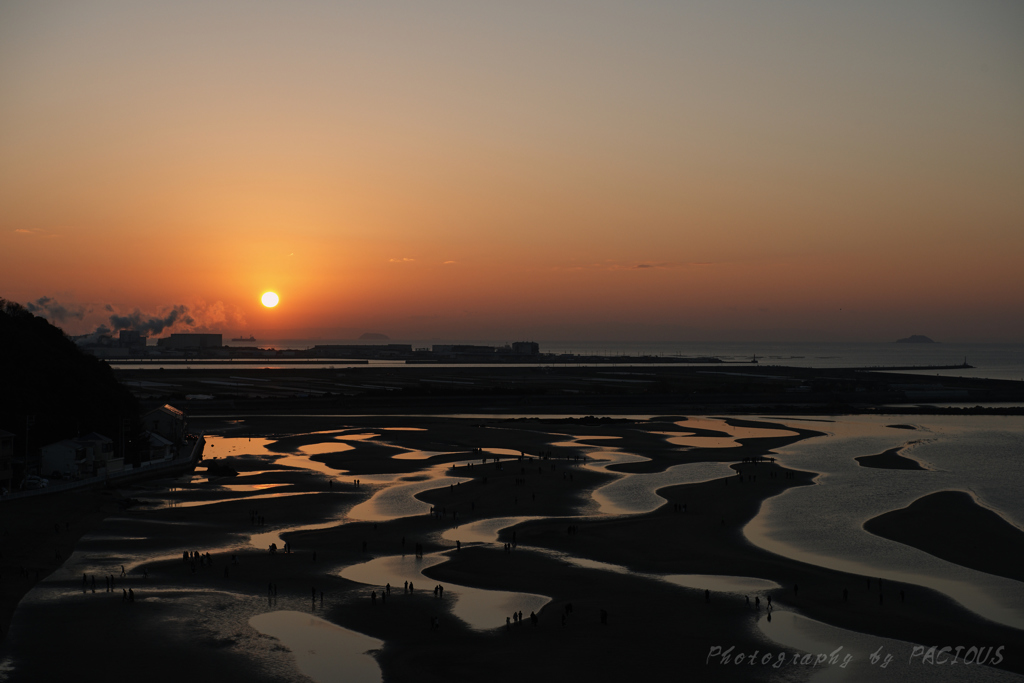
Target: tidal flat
[(633, 547)]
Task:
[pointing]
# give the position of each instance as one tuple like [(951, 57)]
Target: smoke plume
[(51, 309), (147, 325), (198, 316)]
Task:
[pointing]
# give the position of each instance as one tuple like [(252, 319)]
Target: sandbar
[(952, 526), (889, 460)]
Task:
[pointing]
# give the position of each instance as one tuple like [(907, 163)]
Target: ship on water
[(249, 338)]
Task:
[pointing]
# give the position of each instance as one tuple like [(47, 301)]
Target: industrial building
[(191, 341)]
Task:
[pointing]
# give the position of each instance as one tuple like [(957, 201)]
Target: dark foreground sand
[(39, 534), (187, 624)]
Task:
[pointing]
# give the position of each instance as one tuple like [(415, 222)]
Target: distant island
[(916, 339), (376, 336)]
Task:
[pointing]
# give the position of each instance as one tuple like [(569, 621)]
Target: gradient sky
[(721, 170)]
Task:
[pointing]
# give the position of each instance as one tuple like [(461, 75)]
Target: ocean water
[(823, 524), (993, 361)]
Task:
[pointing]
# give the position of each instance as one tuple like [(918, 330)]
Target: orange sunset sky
[(721, 170)]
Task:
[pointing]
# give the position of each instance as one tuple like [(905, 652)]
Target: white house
[(99, 454), (167, 421), (158, 449), (84, 456), (63, 459)]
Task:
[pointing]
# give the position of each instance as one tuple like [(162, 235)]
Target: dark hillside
[(47, 382)]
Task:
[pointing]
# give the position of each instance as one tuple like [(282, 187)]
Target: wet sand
[(951, 526), (186, 622)]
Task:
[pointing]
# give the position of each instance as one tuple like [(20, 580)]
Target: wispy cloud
[(401, 260), (661, 266), (449, 262), (36, 232), (645, 265)]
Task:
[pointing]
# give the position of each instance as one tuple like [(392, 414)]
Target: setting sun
[(270, 299)]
